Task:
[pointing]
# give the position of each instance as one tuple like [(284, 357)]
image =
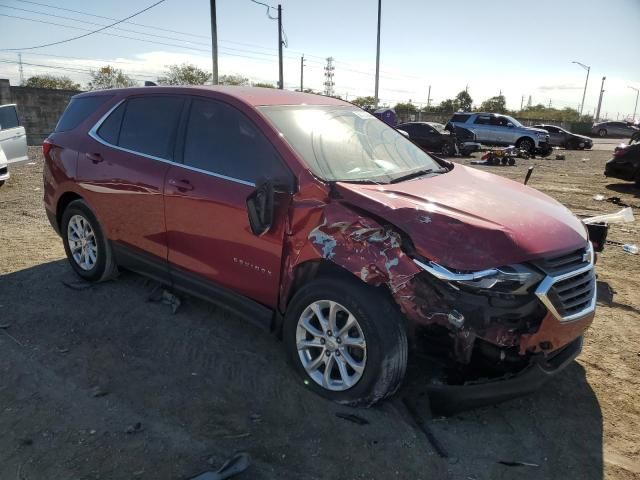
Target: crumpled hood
[(467, 219)]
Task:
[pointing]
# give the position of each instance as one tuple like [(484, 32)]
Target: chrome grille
[(569, 289)]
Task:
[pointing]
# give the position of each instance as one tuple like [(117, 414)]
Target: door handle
[(181, 185), (95, 157)]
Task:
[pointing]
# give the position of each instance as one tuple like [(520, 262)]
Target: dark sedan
[(559, 137), (625, 163), (428, 137)]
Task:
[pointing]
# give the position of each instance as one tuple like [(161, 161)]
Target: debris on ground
[(98, 391), (62, 350), (159, 294), (599, 197), (352, 418), (518, 464), (561, 156), (136, 427), (4, 326), (77, 285), (237, 464), (630, 248), (622, 216)]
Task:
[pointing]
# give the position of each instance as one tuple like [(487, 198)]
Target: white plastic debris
[(623, 216), (599, 197), (630, 248)]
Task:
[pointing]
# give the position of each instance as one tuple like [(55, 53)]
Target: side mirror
[(510, 125), (403, 133), (260, 208)]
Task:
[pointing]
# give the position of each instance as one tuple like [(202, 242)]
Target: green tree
[(238, 80), (405, 108), (185, 74), (109, 77), (463, 101), (56, 82), (494, 104), (364, 102), (446, 106), (264, 85)]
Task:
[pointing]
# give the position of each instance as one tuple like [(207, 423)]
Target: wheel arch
[(64, 200), (526, 137)]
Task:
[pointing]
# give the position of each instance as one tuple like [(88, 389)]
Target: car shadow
[(629, 188), (103, 379), (555, 433)]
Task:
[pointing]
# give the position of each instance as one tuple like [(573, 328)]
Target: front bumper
[(449, 399), (4, 174)]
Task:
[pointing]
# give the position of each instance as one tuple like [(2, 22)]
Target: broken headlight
[(512, 279)]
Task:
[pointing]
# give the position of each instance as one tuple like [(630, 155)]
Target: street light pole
[(214, 42), (636, 107), (302, 73), (281, 74), (378, 54), (584, 93), (600, 99)]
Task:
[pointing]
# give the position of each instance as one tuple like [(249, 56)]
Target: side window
[(460, 117), (409, 128), (498, 121), (428, 130), (220, 139), (149, 125), (109, 131), (78, 110), (8, 117), (482, 120)]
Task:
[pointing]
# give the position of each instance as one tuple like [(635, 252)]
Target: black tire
[(1, 182), (602, 132), (105, 266), (383, 327), (446, 150), (526, 144)]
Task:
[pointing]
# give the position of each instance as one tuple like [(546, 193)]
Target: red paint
[(465, 219)]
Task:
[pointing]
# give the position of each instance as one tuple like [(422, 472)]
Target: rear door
[(209, 236), (482, 128), (556, 136), (13, 137), (122, 172)]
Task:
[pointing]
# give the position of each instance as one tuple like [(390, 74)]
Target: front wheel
[(602, 133), (526, 144), (87, 249), (347, 340), (446, 150)]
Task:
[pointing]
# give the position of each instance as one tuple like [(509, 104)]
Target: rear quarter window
[(460, 117), (79, 110)]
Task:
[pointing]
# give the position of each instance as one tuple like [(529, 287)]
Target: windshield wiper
[(415, 174)]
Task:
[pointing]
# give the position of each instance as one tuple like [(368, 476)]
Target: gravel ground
[(102, 382)]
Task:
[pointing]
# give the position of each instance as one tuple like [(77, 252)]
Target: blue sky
[(521, 48)]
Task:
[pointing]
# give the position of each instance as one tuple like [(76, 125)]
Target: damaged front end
[(494, 333)]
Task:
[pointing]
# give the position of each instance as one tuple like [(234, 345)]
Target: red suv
[(311, 217)]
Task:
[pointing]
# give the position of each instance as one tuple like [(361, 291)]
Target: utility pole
[(328, 78), (429, 98), (214, 43), (636, 107), (549, 103), (600, 99), (378, 55), (588, 69), (280, 68), (302, 73), (20, 69)]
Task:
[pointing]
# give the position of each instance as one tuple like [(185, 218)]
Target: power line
[(87, 34)]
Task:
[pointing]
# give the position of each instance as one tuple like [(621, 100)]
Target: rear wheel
[(446, 150), (346, 340), (87, 249), (602, 132)]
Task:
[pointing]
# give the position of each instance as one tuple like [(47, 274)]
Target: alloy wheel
[(82, 242), (331, 345)]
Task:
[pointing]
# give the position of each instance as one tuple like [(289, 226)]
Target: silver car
[(614, 129), (495, 129), (13, 138)]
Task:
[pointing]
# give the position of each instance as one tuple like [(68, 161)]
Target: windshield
[(348, 144), (438, 126)]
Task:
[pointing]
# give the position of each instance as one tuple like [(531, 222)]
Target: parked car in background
[(559, 137), (625, 164), (13, 137), (312, 218), (4, 169), (430, 137), (495, 129), (614, 129), (636, 136)]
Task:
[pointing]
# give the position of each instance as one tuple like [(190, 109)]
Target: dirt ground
[(103, 383)]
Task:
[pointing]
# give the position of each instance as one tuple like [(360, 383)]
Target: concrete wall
[(39, 108)]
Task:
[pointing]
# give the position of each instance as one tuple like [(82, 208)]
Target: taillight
[(46, 148)]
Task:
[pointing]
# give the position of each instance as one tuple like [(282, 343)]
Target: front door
[(208, 229), (13, 138)]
